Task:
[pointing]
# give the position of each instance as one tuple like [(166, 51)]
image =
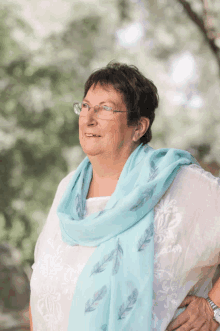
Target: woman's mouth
[(92, 135)]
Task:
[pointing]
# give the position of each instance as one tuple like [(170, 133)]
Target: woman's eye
[(84, 105), (107, 108)]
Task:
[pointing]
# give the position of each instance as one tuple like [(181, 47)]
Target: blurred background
[(48, 48)]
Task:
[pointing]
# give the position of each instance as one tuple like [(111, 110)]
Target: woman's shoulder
[(65, 181), (62, 187), (193, 189), (194, 175)]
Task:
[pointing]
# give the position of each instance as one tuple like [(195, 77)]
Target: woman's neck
[(102, 188), (106, 173), (105, 177), (110, 166)]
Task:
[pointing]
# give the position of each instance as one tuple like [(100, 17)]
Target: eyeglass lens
[(100, 112)]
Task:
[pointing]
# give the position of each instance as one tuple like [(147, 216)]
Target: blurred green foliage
[(39, 130), (36, 123), (38, 127)]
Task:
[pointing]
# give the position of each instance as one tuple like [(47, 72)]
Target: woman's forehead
[(107, 92)]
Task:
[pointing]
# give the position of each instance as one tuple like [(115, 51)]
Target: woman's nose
[(91, 115)]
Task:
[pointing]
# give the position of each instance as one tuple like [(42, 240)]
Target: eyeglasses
[(103, 112)]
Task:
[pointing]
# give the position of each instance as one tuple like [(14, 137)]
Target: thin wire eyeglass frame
[(77, 107)]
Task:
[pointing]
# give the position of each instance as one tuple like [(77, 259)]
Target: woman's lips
[(91, 135)]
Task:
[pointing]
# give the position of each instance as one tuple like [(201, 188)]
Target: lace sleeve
[(52, 214), (197, 195), (187, 241)]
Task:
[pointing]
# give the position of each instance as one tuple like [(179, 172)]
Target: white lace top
[(187, 252)]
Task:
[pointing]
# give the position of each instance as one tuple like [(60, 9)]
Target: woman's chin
[(91, 151)]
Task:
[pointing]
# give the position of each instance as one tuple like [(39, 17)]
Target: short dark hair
[(139, 93)]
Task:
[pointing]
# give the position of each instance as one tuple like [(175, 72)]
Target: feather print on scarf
[(125, 308), (145, 239), (92, 304)]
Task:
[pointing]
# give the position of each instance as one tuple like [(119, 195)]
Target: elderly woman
[(132, 238)]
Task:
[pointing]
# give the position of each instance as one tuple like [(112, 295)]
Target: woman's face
[(113, 136)]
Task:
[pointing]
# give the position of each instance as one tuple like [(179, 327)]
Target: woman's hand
[(30, 317), (198, 316)]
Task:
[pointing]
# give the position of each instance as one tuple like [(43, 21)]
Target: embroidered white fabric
[(187, 252)]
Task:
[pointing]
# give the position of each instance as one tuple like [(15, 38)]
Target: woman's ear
[(141, 128)]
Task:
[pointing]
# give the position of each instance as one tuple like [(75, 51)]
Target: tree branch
[(208, 21), (200, 24)]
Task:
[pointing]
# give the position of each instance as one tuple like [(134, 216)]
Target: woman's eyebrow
[(106, 101)]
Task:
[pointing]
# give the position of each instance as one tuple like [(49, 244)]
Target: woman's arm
[(59, 193), (214, 293), (30, 317), (205, 206)]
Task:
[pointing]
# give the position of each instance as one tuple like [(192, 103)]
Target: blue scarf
[(115, 289)]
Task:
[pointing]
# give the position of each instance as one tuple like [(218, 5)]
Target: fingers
[(193, 327), (197, 316), (188, 325), (214, 326), (180, 320), (204, 327), (187, 301)]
